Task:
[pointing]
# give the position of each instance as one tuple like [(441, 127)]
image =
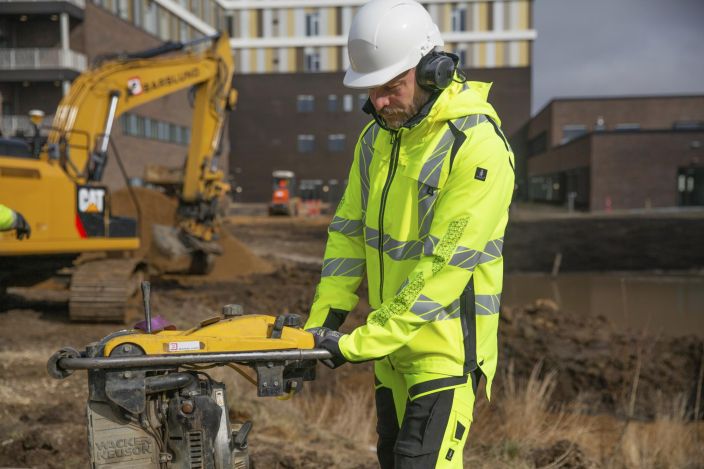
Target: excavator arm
[(85, 117)]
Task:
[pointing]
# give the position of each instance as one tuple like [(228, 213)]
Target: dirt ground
[(610, 375)]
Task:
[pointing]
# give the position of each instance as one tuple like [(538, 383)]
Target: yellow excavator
[(57, 185)]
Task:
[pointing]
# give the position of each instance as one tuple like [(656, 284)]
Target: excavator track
[(104, 290)]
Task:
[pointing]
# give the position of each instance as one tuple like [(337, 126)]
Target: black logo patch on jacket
[(481, 174)]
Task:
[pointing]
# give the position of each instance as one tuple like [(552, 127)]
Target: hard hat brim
[(372, 80)]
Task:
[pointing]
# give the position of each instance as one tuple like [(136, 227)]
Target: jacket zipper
[(395, 145)]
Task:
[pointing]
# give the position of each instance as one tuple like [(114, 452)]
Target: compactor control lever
[(288, 320)]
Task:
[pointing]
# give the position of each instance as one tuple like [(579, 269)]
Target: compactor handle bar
[(67, 362)]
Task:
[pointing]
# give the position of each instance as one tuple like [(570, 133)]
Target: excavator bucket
[(175, 251)]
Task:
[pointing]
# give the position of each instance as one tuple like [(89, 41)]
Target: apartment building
[(291, 55), (617, 153), (293, 112)]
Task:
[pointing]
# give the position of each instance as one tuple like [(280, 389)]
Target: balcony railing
[(79, 3), (39, 59)]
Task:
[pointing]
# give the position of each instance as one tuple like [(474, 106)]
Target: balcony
[(75, 8), (41, 59)]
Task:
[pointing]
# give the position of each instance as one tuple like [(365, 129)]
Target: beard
[(395, 117)]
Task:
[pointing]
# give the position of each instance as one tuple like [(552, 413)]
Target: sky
[(617, 47)]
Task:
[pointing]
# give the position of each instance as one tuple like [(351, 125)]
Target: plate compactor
[(151, 406)]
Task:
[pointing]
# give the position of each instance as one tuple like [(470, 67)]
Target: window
[(688, 125), (332, 103), (312, 60), (538, 144), (627, 126), (572, 131), (306, 143), (186, 134), (174, 133), (139, 127), (459, 19), (163, 131), (122, 9), (305, 103), (347, 103), (132, 126), (336, 142), (312, 24), (123, 123)]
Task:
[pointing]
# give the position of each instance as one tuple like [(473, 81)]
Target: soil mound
[(157, 208), (237, 260), (599, 366)]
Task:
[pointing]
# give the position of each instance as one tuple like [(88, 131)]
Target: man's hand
[(328, 339), (21, 226)]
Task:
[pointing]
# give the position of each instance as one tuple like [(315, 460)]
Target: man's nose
[(379, 99)]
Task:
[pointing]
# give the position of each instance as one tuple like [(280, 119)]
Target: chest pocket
[(431, 173)]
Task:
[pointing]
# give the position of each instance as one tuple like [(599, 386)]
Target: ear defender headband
[(436, 70)]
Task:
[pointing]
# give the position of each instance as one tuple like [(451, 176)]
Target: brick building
[(293, 112), (616, 153)]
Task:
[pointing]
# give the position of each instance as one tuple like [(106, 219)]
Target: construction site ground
[(571, 391)]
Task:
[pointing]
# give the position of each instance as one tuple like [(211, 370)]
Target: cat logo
[(134, 86), (91, 199)]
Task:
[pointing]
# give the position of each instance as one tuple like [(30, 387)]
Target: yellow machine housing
[(239, 334)]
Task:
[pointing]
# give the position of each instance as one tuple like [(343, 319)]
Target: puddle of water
[(667, 304)]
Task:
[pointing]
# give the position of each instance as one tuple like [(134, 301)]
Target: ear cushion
[(435, 71)]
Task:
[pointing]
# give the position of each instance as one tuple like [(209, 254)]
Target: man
[(423, 216), (11, 220)]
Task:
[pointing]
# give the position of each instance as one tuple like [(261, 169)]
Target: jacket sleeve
[(7, 218), (467, 212), (344, 261)]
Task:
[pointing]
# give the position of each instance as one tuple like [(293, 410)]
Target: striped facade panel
[(293, 29)]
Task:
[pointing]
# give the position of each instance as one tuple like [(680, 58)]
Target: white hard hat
[(388, 37)]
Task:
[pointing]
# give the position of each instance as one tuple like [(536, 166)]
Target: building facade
[(617, 153), (293, 112)]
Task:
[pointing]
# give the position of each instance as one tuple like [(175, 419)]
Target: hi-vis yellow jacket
[(7, 218), (423, 216)]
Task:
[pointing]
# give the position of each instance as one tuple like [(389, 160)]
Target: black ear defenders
[(436, 70)]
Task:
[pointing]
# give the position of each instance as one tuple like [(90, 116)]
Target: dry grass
[(670, 441), (521, 428)]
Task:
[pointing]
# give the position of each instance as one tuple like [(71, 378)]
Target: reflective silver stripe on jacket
[(469, 258), (397, 250), (429, 310), (366, 152), (487, 304), (347, 227), (343, 267)]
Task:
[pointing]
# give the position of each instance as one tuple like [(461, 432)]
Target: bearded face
[(399, 99)]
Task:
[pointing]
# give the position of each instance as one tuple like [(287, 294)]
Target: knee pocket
[(424, 424)]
